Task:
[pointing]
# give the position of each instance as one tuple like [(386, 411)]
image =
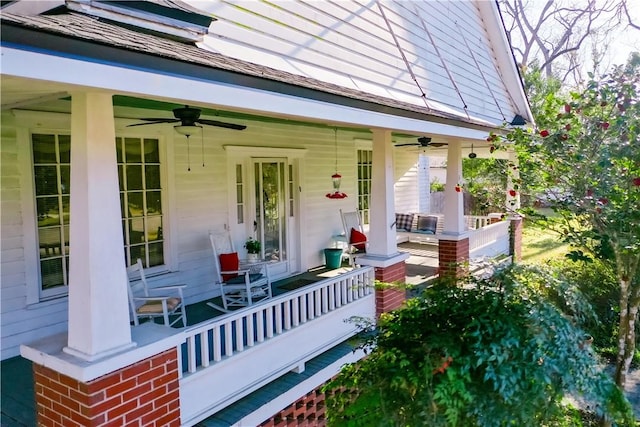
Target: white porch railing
[(476, 222), (231, 356), (490, 240)]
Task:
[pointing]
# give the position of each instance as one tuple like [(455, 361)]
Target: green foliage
[(584, 159), (502, 351), (599, 285), (436, 186), (253, 246), (486, 182)]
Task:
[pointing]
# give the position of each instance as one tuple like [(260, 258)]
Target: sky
[(627, 40)]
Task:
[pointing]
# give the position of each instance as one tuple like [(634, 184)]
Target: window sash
[(139, 173)]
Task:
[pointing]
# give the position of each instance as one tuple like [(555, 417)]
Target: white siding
[(406, 187), (20, 322), (359, 45)]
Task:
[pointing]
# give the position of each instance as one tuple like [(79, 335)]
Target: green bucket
[(333, 257)]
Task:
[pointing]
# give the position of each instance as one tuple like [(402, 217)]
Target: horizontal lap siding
[(19, 323), (406, 197)]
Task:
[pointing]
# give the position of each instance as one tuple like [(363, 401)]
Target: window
[(239, 195), (364, 183), (51, 171), (141, 200)]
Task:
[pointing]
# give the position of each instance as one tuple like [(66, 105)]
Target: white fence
[(230, 356)]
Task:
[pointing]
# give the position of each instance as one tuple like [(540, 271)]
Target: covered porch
[(243, 340)]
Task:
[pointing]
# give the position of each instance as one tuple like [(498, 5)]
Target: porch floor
[(17, 402)]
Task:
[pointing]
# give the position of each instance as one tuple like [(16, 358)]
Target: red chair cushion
[(229, 262), (358, 239)]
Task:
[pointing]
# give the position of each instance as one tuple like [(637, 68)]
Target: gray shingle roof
[(92, 30)]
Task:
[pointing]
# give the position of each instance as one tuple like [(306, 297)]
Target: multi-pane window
[(239, 195), (364, 183), (141, 200), (51, 169)]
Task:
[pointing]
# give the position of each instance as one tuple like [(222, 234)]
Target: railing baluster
[(303, 308), (273, 311), (217, 344), (332, 296), (191, 354), (240, 330), (325, 299), (279, 316), (228, 340), (179, 352), (260, 323), (250, 330), (295, 312), (204, 348)]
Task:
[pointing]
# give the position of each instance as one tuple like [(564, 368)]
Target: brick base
[(453, 256), (389, 299), (307, 411), (515, 239), (145, 393)]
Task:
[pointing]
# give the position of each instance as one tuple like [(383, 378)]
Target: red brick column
[(390, 298), (453, 256), (145, 393), (515, 238)]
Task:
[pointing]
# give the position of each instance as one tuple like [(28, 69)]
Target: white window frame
[(29, 122)]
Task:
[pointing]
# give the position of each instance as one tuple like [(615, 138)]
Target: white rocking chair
[(241, 284), (357, 241), (149, 303)]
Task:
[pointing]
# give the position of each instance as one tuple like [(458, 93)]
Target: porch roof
[(83, 37)]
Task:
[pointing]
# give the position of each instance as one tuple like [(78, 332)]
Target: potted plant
[(253, 249)]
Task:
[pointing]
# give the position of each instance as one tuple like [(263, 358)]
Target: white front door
[(274, 211)]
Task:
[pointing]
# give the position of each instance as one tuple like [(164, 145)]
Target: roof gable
[(437, 55)]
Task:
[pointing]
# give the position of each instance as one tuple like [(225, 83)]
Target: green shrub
[(502, 351)]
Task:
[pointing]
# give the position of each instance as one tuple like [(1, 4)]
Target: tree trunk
[(626, 269), (626, 336)]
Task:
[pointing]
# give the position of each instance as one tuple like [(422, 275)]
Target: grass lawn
[(540, 244)]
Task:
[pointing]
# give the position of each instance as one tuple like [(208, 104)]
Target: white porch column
[(382, 239), (513, 175), (453, 200), (98, 301)]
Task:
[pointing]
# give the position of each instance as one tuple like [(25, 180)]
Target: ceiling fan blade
[(407, 144), (438, 144), (154, 122), (221, 124)]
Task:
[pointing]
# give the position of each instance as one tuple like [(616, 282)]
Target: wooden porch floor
[(17, 405)]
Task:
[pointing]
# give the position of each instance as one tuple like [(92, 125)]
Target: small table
[(254, 267)]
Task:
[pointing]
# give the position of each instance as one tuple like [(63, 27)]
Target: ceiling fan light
[(187, 130)]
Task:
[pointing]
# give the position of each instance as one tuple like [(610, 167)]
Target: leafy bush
[(495, 352)]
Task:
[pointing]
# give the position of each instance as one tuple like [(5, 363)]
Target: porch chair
[(149, 303), (240, 284), (354, 233)]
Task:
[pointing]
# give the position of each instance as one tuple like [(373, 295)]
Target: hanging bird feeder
[(336, 178)]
